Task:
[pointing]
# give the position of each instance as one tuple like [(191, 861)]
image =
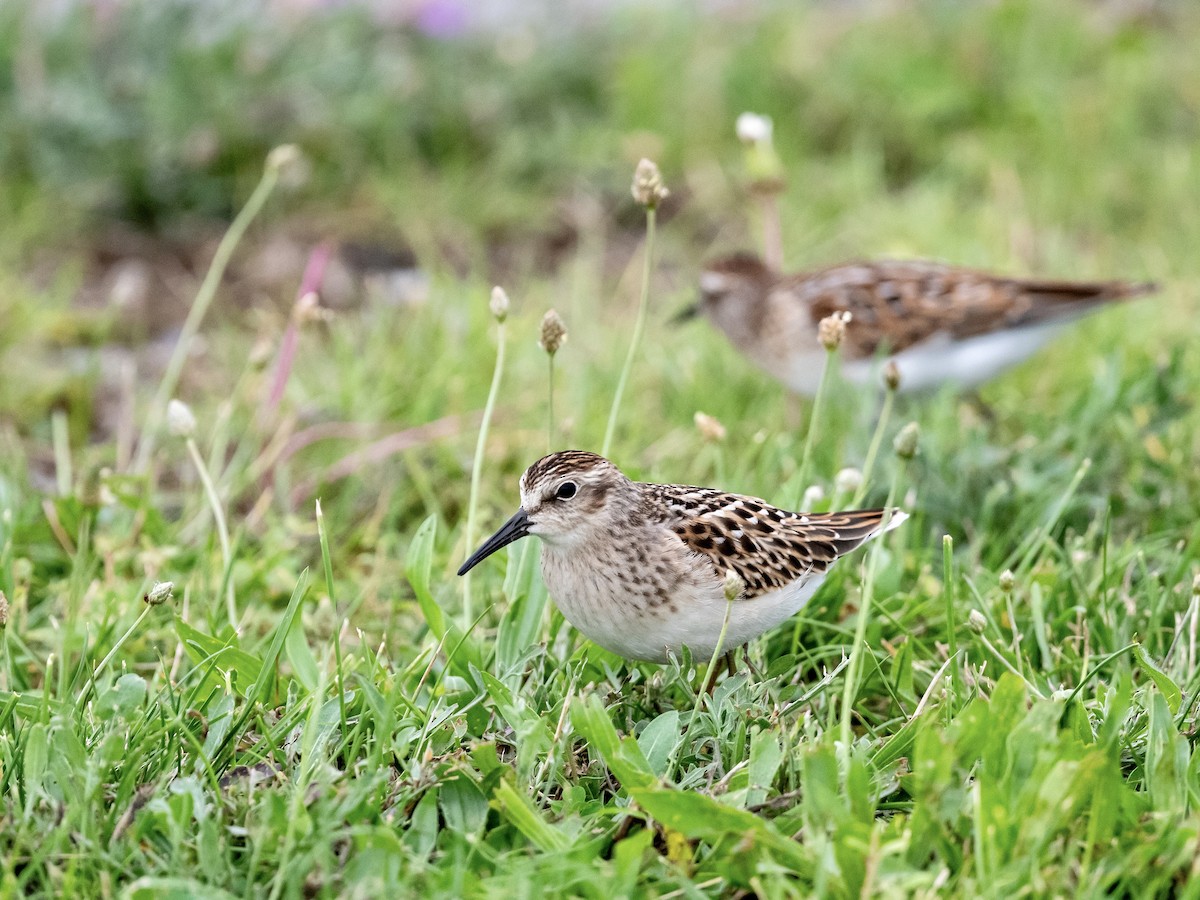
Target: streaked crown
[(567, 493)]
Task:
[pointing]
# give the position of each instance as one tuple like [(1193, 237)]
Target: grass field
[(364, 731)]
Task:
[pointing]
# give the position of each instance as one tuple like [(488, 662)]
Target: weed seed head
[(905, 443), (289, 165), (1006, 581), (977, 621), (308, 310), (734, 585), (554, 332), (648, 188), (832, 330), (848, 480), (3, 610), (160, 593), (753, 128), (180, 421), (813, 495), (891, 375), (763, 165), (710, 428), (499, 303)]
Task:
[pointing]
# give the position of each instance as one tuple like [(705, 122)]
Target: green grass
[(353, 737)]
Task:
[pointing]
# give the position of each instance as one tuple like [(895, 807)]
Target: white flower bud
[(499, 303), (734, 585), (710, 427), (977, 621), (289, 164), (848, 481), (813, 495), (180, 421), (905, 443), (1006, 581), (648, 188), (753, 128)]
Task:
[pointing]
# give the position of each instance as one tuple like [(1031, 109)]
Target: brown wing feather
[(767, 547), (895, 304)]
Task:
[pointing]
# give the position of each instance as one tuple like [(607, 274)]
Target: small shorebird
[(644, 569), (939, 323)]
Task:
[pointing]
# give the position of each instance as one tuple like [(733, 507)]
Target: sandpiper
[(645, 569), (939, 323)]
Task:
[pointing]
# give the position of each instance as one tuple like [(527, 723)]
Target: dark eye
[(566, 490)]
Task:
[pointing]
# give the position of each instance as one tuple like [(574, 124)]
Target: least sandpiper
[(645, 569), (939, 323)]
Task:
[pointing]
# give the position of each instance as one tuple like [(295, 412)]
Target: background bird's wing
[(896, 304), (767, 547)]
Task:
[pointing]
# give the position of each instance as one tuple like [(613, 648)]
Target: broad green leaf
[(766, 754), (300, 655), (464, 806), (700, 817), (623, 756), (1167, 756), (37, 756), (417, 565), (824, 800), (258, 690), (28, 704), (421, 835), (527, 819), (659, 740), (460, 650), (173, 888), (242, 669), (1170, 690)]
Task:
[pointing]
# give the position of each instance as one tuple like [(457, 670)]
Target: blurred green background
[(450, 147)]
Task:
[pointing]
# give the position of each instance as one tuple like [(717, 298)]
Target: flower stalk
[(649, 191), (278, 160), (498, 304)]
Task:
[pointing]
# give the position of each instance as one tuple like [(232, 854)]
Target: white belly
[(624, 616), (966, 363)]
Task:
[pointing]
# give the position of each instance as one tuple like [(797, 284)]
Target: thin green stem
[(477, 465), (550, 405), (214, 502), (310, 762), (327, 564), (948, 586), (108, 658), (1033, 543), (858, 647), (873, 451), (60, 434), (191, 326), (636, 340), (810, 436), (709, 675)]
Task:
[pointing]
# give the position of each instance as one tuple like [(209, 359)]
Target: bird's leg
[(725, 661), (749, 663)]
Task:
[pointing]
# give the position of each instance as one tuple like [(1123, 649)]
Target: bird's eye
[(566, 490)]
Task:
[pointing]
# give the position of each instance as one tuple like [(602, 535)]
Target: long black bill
[(512, 530)]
